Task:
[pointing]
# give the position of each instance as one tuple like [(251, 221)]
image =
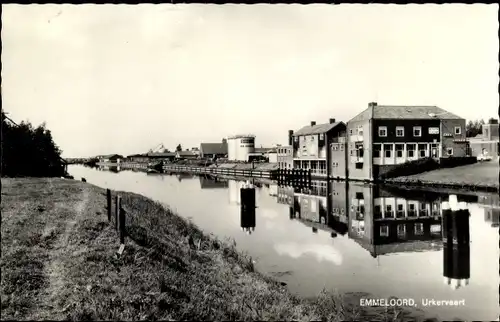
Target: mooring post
[(108, 197), (117, 210), (122, 225), (309, 176)]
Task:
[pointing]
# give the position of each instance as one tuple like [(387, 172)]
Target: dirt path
[(61, 250)]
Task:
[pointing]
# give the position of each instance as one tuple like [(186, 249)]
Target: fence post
[(117, 210), (122, 225), (108, 198)]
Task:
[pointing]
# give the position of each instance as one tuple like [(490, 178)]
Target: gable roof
[(213, 148), (109, 156), (316, 129)]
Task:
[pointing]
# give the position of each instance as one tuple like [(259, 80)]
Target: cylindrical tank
[(244, 146), (230, 149)]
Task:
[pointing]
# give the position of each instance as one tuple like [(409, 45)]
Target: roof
[(161, 154), (239, 136), (316, 129), (406, 112), (136, 155), (186, 153), (109, 156), (213, 148), (264, 150)]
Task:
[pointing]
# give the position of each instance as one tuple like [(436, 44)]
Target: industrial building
[(240, 147)]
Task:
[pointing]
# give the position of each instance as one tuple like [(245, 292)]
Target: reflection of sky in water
[(319, 251), (318, 261)]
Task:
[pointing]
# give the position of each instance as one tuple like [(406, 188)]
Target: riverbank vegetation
[(58, 262), (29, 151)]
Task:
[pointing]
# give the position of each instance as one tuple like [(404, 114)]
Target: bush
[(29, 151)]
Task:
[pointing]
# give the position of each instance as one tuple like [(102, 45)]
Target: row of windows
[(417, 131), (401, 230), (388, 151), (311, 137), (247, 141)]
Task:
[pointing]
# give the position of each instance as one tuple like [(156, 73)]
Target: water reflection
[(386, 220), (352, 238)]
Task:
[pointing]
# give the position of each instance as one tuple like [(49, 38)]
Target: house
[(383, 137), (161, 156), (272, 155), (213, 150), (486, 143), (186, 155), (113, 158), (320, 147)]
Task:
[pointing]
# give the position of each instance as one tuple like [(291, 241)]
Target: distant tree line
[(29, 151)]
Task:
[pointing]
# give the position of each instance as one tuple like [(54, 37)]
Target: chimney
[(332, 121), (290, 137), (313, 123), (224, 141), (372, 104)]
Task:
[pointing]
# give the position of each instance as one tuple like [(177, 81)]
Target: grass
[(484, 174), (58, 262)]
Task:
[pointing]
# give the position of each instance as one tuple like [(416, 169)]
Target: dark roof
[(213, 148), (136, 155), (161, 154), (316, 129), (406, 112), (109, 156), (262, 150), (186, 153)]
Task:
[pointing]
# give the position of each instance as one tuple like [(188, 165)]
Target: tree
[(28, 151), (178, 148), (474, 128)]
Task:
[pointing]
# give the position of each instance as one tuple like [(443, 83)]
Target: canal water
[(349, 238)]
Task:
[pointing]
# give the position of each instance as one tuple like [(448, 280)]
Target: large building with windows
[(383, 137), (320, 147)]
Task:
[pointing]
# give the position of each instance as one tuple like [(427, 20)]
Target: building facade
[(486, 143), (285, 156), (383, 137), (313, 149), (240, 147)]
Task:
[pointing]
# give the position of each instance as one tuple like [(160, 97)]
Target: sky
[(124, 78)]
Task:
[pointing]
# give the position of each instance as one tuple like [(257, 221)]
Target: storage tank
[(243, 145)]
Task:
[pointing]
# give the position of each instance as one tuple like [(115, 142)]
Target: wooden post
[(309, 176), (117, 210), (122, 225), (108, 197)]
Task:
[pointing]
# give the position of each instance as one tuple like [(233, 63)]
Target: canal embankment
[(59, 263)]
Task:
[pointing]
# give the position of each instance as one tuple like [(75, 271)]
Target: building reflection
[(386, 220), (209, 182), (181, 176), (491, 206)]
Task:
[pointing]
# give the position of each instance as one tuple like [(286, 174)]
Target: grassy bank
[(479, 176), (58, 262)]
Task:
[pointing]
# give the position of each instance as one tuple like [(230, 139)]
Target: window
[(384, 231), (322, 136), (449, 151), (296, 138), (399, 150), (382, 131), (417, 131), (312, 138), (458, 130), (419, 229), (352, 152), (359, 150), (411, 150), (433, 130), (376, 150), (359, 195), (422, 150), (360, 130), (400, 131), (388, 151), (350, 132), (341, 147)]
